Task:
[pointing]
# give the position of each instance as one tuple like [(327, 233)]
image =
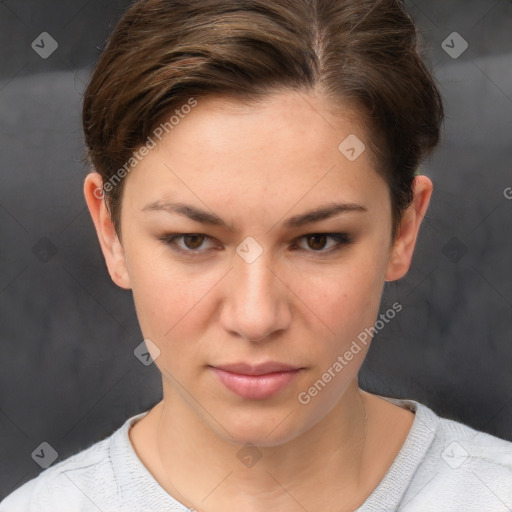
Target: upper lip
[(256, 369)]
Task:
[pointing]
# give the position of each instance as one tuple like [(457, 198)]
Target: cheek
[(168, 295), (346, 299), (346, 303), (170, 313)]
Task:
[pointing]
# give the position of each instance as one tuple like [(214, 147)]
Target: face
[(264, 282)]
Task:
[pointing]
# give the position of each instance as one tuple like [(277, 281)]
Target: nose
[(256, 303)]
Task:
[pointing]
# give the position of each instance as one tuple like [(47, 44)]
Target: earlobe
[(111, 246), (403, 247)]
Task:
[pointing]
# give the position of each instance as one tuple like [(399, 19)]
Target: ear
[(403, 247), (110, 244)]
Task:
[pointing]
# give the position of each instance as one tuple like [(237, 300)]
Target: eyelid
[(170, 238), (342, 239)]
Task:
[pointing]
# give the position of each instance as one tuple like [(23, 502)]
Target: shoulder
[(463, 469), (80, 482)]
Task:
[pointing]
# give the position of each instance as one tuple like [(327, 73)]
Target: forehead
[(293, 118), (285, 149)]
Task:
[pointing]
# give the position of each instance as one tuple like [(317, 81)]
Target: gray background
[(68, 373)]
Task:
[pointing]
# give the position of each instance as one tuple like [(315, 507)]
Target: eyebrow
[(204, 217)]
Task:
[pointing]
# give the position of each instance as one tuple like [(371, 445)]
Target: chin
[(259, 427)]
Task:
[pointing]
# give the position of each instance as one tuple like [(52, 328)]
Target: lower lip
[(255, 387)]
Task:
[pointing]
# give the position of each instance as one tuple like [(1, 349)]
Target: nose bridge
[(256, 305), (254, 278), (252, 263)]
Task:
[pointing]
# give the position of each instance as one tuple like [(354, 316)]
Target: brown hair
[(364, 53)]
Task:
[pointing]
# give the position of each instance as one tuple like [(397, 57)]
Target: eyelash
[(341, 239)]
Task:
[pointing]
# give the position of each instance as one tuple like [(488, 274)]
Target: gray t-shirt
[(443, 465)]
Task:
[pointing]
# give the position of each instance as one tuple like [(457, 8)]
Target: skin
[(256, 166)]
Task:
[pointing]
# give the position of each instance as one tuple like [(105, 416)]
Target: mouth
[(256, 382)]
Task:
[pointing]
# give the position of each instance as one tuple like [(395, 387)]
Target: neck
[(208, 472)]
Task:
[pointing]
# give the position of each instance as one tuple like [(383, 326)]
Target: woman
[(255, 183)]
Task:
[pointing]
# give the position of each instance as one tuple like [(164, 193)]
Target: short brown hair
[(361, 52)]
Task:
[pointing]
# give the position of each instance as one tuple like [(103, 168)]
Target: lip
[(257, 369), (256, 382)]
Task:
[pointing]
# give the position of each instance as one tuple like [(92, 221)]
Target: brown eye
[(191, 244), (316, 242), (193, 241)]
